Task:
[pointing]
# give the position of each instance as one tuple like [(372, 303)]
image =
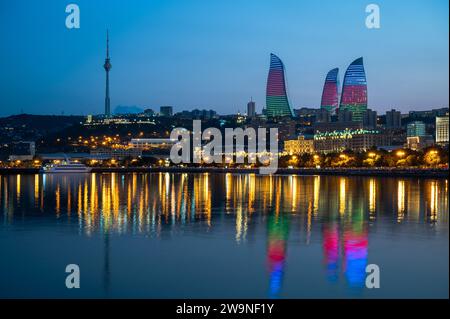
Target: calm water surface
[(168, 235)]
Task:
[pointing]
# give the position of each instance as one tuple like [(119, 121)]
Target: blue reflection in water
[(278, 232), (355, 247), (331, 251)]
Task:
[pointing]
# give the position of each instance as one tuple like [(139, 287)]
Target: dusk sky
[(215, 54)]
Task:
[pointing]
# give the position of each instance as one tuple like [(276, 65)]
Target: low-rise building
[(356, 140), (116, 153), (150, 143), (299, 146), (22, 151), (417, 143)]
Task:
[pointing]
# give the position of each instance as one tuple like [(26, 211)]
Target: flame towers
[(277, 104), (330, 94), (354, 90)]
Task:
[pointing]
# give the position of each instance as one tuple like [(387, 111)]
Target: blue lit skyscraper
[(354, 90)]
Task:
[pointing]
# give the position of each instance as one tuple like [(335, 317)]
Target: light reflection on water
[(339, 216)]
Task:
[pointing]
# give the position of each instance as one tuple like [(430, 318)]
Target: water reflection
[(277, 235), (341, 210)]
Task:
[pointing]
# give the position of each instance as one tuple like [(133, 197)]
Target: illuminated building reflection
[(372, 197), (356, 253), (400, 200), (334, 209), (331, 250), (277, 234)]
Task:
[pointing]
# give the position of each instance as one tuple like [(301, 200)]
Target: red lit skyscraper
[(277, 104), (354, 90), (330, 94)]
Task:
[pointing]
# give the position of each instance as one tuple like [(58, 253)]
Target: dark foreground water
[(168, 235)]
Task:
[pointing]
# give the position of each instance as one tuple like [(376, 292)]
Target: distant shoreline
[(385, 172)]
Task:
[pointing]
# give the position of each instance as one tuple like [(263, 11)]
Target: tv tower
[(107, 67)]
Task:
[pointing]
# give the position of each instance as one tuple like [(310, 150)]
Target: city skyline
[(219, 68)]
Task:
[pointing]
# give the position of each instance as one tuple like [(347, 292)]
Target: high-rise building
[(442, 129), (416, 128), (370, 119), (330, 93), (345, 116), (323, 116), (107, 67), (354, 90), (393, 119), (251, 109), (166, 111), (277, 104)]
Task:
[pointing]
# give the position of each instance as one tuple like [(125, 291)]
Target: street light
[(400, 153)]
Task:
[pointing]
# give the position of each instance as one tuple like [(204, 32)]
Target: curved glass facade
[(277, 103), (330, 95), (354, 90)]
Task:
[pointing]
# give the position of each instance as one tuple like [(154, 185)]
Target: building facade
[(336, 126), (330, 93), (277, 104), (115, 153), (393, 119), (417, 143), (151, 143), (166, 111), (355, 140), (251, 109), (442, 129), (370, 119), (22, 151), (299, 146), (354, 90), (416, 128)]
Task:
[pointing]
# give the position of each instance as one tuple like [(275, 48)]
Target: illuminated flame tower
[(107, 67)]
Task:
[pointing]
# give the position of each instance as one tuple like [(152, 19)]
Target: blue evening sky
[(215, 53)]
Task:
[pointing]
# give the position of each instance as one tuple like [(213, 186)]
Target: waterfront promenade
[(386, 172)]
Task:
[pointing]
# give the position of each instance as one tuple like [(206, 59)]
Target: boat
[(66, 167)]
